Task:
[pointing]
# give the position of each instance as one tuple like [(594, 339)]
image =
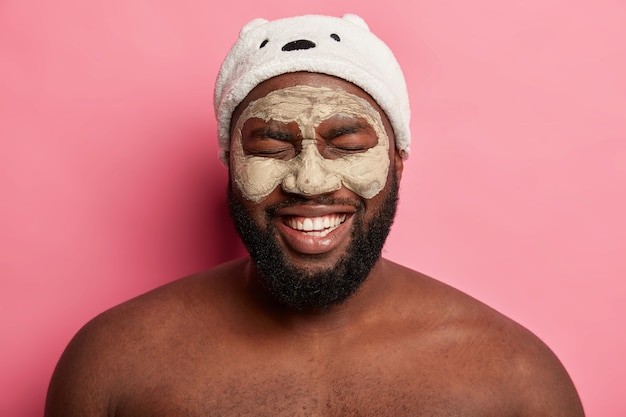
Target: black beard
[(300, 289)]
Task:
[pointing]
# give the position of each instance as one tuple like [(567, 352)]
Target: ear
[(357, 20), (251, 25), (399, 163)]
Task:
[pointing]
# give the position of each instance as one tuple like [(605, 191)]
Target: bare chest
[(268, 372), (275, 389)]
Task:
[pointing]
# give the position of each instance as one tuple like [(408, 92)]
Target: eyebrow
[(354, 126), (269, 133)]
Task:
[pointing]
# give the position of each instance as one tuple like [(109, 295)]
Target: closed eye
[(273, 134), (269, 142), (350, 138), (341, 131)]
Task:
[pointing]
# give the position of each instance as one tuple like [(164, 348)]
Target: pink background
[(515, 191)]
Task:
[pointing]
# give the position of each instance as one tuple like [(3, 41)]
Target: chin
[(312, 281)]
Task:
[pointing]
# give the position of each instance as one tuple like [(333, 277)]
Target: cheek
[(364, 174), (257, 177)]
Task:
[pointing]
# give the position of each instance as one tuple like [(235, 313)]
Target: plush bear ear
[(251, 25), (357, 20)]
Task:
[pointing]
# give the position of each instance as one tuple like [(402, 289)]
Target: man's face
[(313, 192)]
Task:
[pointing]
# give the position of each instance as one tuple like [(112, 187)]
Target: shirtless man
[(314, 322)]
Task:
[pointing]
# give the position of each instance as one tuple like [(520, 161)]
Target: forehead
[(309, 106), (310, 79)]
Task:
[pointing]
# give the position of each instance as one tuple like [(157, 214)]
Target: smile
[(316, 226)]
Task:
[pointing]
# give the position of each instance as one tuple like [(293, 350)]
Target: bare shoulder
[(129, 341), (486, 350)]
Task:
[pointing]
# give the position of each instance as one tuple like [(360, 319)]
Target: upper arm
[(80, 383), (552, 394), (543, 384)]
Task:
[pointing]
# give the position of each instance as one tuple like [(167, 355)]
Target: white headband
[(341, 47)]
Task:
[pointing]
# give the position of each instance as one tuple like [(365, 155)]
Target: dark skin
[(216, 344)]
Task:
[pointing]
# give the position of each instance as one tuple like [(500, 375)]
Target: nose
[(298, 45), (311, 174)]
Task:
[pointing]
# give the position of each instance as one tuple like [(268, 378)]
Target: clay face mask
[(307, 172)]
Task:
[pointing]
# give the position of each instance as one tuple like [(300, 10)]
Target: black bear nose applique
[(299, 44)]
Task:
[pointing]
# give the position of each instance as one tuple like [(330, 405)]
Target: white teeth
[(317, 226)]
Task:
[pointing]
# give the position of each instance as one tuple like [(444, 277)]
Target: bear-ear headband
[(341, 47)]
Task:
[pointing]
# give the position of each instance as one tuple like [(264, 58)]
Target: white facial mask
[(309, 173)]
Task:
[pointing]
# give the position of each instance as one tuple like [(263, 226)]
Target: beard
[(302, 289)]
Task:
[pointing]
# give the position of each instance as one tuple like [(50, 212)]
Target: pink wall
[(515, 192)]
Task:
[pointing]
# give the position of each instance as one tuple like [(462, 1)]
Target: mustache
[(323, 200)]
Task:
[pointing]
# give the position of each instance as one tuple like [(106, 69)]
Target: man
[(313, 125)]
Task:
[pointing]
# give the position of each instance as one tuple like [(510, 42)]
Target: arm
[(548, 390), (78, 387), (540, 383)]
